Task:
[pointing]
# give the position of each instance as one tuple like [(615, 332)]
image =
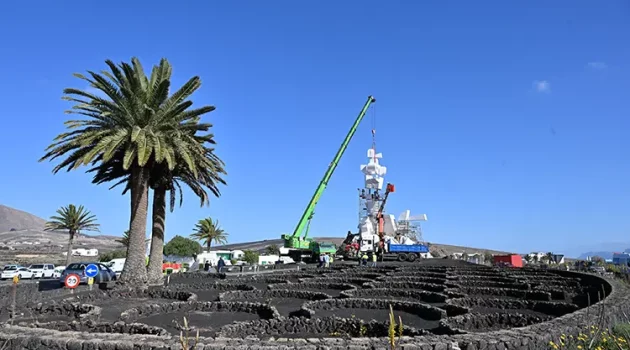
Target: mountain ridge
[(17, 227), (23, 233), (16, 219)]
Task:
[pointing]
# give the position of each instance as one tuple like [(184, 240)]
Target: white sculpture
[(373, 171)]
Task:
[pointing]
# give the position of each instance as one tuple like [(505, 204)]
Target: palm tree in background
[(124, 240), (272, 250), (135, 122), (74, 220), (550, 257), (209, 231)]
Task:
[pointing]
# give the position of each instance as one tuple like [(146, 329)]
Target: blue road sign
[(91, 270)]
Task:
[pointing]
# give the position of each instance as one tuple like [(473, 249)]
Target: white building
[(83, 252)]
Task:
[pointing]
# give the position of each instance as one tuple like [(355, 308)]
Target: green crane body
[(295, 240)]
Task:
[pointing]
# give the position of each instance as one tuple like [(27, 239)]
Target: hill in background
[(14, 219), (438, 250), (24, 232), (22, 238)]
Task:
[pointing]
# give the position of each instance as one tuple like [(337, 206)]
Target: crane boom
[(293, 241)]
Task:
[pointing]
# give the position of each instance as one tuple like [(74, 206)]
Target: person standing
[(373, 259), (364, 259), (220, 265)]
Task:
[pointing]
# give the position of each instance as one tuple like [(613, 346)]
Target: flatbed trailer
[(404, 252)]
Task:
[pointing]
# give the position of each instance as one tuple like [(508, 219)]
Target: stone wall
[(263, 310), (424, 311), (329, 327), (425, 296), (101, 327), (536, 336), (403, 284), (156, 293), (506, 292), (555, 309), (319, 284), (71, 310), (272, 293), (344, 279), (420, 279), (29, 294)]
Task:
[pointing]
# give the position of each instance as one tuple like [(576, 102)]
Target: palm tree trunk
[(70, 242), (135, 272), (156, 254)]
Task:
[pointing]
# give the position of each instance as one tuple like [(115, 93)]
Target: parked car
[(42, 270), (21, 272), (58, 271), (9, 271), (105, 274)]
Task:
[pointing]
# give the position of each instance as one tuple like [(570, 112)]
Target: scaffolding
[(409, 226)]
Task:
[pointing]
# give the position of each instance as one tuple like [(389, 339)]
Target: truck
[(356, 245), (301, 247), (405, 252)]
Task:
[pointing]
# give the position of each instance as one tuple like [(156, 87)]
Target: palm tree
[(162, 180), (124, 240), (137, 123), (273, 250), (208, 231), (550, 257), (74, 220)]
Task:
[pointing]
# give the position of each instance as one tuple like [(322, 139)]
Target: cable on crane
[(374, 132)]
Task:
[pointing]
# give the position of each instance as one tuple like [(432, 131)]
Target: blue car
[(105, 274)]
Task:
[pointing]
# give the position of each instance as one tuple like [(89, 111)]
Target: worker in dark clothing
[(220, 265), (206, 266)]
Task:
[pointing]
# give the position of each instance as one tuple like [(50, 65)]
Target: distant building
[(83, 252), (536, 256), (557, 258), (621, 259)]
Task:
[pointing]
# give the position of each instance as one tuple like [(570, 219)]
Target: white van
[(116, 265)]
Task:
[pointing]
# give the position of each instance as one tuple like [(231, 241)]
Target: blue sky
[(506, 122)]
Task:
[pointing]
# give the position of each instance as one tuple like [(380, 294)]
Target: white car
[(22, 273), (43, 270)]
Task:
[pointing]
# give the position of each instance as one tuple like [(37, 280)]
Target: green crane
[(296, 241)]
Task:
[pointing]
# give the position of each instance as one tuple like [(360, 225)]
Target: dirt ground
[(208, 323), (382, 315)]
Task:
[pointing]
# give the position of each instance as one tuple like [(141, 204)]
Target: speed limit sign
[(72, 281)]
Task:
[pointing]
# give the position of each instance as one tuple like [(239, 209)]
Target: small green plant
[(394, 331), (363, 329), (185, 340)]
